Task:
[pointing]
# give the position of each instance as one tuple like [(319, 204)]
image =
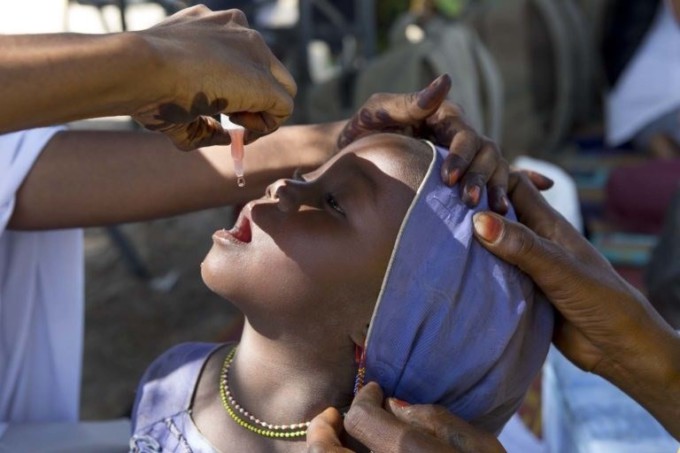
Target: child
[(306, 263)]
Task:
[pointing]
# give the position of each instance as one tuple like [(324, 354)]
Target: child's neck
[(280, 382), (283, 381)]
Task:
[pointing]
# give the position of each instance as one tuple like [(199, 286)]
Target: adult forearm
[(91, 178), (654, 380), (56, 78)]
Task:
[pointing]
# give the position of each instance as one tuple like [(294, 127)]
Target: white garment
[(517, 438), (563, 195), (41, 302), (649, 86)]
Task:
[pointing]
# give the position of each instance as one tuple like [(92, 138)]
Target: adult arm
[(170, 77), (95, 178), (91, 178), (604, 326)]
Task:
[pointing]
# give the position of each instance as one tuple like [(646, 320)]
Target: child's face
[(313, 251)]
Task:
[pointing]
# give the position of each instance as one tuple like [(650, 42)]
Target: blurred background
[(586, 91)]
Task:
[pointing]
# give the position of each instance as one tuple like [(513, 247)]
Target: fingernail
[(365, 116), (250, 137), (473, 193), (541, 179), (450, 177), (400, 403), (498, 200), (270, 122), (429, 97), (488, 226), (503, 205)]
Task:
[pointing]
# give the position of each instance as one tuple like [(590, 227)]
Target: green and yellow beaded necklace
[(248, 421)]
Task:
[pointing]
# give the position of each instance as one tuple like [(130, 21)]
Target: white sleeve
[(18, 152), (41, 301)]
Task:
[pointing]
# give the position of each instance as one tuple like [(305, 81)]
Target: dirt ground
[(129, 322)]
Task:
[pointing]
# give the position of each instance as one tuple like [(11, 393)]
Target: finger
[(569, 274), (498, 187), (368, 422), (203, 131), (445, 426), (207, 131), (558, 266), (511, 241), (283, 76), (324, 431), (380, 431), (479, 172), (257, 124), (431, 97), (465, 144), (386, 111), (251, 136), (532, 209), (541, 182)]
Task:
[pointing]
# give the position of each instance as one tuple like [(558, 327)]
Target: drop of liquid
[(241, 181)]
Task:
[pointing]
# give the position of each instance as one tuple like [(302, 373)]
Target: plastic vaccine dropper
[(236, 133)]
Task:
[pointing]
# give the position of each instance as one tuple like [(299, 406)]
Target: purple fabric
[(161, 417), (454, 325)]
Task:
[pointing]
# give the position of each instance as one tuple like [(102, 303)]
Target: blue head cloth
[(454, 325)]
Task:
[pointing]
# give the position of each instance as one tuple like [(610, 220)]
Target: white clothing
[(563, 195), (41, 302), (649, 86)]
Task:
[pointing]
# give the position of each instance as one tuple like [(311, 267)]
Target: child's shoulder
[(168, 383), (179, 358)]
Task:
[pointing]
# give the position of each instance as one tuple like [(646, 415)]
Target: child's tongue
[(242, 231)]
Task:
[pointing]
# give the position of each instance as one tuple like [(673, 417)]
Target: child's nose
[(288, 193)]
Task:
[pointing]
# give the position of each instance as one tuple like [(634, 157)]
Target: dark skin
[(604, 326), (474, 161), (390, 425), (171, 77), (92, 178), (308, 275)]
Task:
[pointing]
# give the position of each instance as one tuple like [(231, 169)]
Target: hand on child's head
[(474, 161)]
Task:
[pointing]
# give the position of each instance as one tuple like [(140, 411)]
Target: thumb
[(428, 100), (324, 431), (513, 242), (446, 427), (387, 112)]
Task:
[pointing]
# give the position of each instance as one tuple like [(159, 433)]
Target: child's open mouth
[(241, 231)]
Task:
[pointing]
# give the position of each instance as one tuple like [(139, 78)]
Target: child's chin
[(215, 280)]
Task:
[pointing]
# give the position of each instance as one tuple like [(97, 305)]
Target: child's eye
[(333, 204)]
